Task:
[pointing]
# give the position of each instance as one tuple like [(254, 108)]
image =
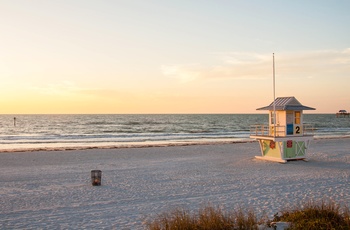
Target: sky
[(163, 56)]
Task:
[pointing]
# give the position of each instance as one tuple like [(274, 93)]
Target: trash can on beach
[(96, 177)]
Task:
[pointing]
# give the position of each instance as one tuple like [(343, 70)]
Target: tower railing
[(260, 130), (269, 130), (308, 130)]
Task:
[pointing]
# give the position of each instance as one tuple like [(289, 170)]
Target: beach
[(52, 189)]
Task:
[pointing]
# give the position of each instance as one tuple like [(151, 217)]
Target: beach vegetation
[(207, 218), (312, 215), (317, 215)]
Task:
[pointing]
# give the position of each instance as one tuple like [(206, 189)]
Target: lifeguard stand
[(285, 137)]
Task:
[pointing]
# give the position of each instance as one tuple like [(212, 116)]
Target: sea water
[(33, 132)]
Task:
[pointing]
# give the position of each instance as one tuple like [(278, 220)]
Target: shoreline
[(147, 144)]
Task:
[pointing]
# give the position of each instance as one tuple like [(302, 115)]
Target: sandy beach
[(52, 189)]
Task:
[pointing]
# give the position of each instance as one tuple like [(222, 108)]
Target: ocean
[(62, 132)]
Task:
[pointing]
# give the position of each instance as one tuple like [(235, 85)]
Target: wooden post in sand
[(14, 121)]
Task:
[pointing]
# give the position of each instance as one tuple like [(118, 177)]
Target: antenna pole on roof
[(274, 96)]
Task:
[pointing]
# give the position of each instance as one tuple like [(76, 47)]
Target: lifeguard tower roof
[(286, 103)]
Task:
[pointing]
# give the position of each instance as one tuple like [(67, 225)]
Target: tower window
[(297, 117)]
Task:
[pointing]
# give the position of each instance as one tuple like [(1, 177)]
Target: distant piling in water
[(14, 121), (342, 113)]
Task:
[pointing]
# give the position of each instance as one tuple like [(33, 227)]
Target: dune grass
[(318, 216), (207, 218), (323, 215)]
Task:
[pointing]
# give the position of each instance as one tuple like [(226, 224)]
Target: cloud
[(69, 88), (239, 58), (182, 73), (235, 65), (324, 63), (344, 57), (60, 89), (231, 65), (248, 66)]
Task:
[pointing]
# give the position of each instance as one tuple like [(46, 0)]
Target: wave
[(101, 130), (95, 145)]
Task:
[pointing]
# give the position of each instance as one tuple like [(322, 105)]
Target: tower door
[(290, 122)]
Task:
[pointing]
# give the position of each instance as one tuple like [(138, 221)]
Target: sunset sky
[(164, 56)]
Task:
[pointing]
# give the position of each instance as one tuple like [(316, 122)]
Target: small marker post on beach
[(14, 121)]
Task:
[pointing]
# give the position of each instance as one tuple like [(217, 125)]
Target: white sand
[(52, 190)]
